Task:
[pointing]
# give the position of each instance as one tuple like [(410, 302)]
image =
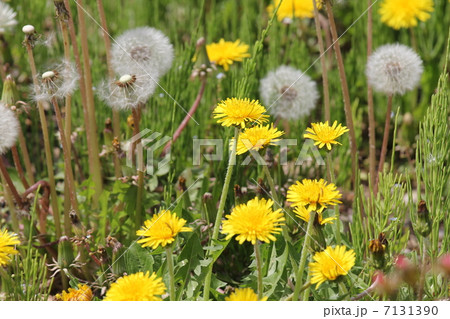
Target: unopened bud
[(423, 223)]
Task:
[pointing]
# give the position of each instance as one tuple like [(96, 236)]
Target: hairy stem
[(345, 91), (387, 126), (25, 157), (95, 168), (337, 223), (370, 111), (115, 113), (10, 203), (18, 165), (223, 198), (47, 148), (305, 249), (171, 274), (259, 269), (10, 184), (323, 62), (186, 119), (69, 180)]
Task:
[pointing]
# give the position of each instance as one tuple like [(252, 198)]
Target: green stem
[(171, 275), (10, 203), (307, 288), (278, 205), (259, 268), (337, 224), (69, 180), (47, 148), (272, 187), (223, 198), (139, 197), (342, 289), (140, 167), (301, 267), (387, 127)]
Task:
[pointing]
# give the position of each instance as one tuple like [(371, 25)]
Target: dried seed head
[(59, 82), (9, 128), (142, 50), (394, 69), (127, 92), (7, 17), (288, 93)]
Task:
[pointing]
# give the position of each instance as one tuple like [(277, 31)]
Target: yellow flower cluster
[(224, 53), (244, 294), (314, 195), (161, 229), (136, 287), (330, 264), (404, 13), (324, 134), (83, 293), (7, 242), (290, 9), (253, 221)]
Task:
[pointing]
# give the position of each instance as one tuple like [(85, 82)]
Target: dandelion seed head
[(288, 93), (394, 69), (143, 50), (7, 17), (9, 128), (58, 82), (127, 92)]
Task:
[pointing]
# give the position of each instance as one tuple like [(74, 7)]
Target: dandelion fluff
[(9, 128), (128, 91), (60, 81), (7, 17), (142, 50), (288, 93), (394, 69)]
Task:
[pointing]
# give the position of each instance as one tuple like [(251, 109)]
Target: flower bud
[(378, 248), (423, 223)]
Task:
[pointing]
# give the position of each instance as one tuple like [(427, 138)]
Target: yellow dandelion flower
[(244, 294), (237, 112), (136, 287), (224, 53), (323, 134), (7, 242), (253, 221), (304, 214), (405, 13), (83, 293), (161, 229), (330, 264), (313, 193), (294, 8), (256, 138)]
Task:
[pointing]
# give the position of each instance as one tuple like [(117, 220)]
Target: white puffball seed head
[(394, 69), (288, 93), (9, 128), (28, 29)]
